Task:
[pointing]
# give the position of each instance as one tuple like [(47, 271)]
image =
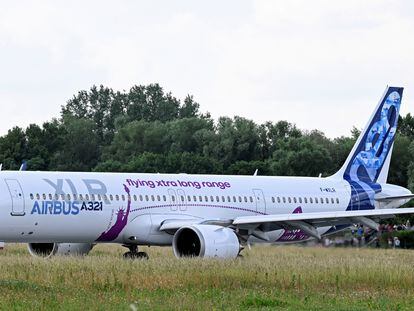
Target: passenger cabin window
[(289, 200), (194, 198), (278, 199), (311, 200), (164, 197), (273, 199), (337, 201), (306, 200), (316, 200), (300, 200), (326, 200), (31, 196), (92, 197), (87, 197), (294, 200)]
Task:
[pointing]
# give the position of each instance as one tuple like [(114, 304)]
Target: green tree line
[(146, 129)]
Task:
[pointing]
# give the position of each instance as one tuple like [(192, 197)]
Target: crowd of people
[(360, 236)]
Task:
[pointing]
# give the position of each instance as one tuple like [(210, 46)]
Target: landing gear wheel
[(134, 254), (129, 255), (142, 255)]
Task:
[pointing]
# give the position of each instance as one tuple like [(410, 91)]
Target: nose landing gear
[(134, 254)]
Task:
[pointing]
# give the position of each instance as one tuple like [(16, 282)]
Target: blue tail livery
[(368, 163)]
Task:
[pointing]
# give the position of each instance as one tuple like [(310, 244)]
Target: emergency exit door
[(260, 201), (17, 197)]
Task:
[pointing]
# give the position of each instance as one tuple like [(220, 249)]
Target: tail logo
[(375, 146), (368, 160)]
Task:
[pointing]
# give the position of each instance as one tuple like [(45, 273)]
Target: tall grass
[(267, 277)]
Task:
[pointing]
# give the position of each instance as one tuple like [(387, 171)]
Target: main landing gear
[(134, 254)]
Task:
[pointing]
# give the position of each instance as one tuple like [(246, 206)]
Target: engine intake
[(206, 241)]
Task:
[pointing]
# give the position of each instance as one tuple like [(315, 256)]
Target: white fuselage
[(95, 207)]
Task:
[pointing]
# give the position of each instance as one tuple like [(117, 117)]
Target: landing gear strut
[(134, 254)]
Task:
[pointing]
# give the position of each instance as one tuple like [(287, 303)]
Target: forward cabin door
[(260, 201), (17, 197), (182, 199)]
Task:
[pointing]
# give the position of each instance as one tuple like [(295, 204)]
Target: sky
[(320, 64)]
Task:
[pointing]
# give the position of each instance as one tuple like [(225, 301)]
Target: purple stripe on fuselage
[(120, 223)]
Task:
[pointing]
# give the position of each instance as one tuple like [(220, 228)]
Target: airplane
[(203, 215)]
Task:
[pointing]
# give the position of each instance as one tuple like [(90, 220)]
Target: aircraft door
[(17, 197), (354, 199), (260, 200), (182, 200), (173, 199)]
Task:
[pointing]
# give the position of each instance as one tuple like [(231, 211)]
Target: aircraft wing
[(175, 224), (309, 222)]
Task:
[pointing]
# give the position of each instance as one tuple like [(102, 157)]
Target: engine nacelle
[(206, 241), (47, 250)]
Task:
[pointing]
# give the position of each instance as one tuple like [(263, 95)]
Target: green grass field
[(291, 278)]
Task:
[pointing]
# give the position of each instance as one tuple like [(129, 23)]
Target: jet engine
[(47, 250), (206, 241)]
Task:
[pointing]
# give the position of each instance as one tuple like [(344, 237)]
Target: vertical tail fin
[(370, 157)]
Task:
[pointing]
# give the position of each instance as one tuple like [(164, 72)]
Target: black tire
[(133, 255), (129, 255), (142, 255)]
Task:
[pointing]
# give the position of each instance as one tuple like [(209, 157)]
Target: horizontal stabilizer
[(397, 197)]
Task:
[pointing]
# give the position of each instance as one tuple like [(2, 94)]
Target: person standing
[(397, 242)]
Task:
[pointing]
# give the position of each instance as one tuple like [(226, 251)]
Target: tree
[(13, 149), (300, 157), (80, 148)]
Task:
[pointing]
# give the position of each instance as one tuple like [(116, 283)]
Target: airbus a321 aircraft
[(203, 215)]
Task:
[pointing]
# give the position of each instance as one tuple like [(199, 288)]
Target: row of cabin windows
[(193, 198), (305, 200)]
